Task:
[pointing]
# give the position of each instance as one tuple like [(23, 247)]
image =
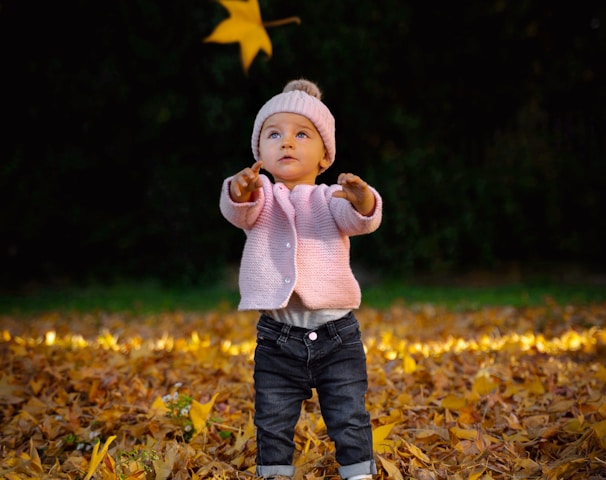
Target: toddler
[(295, 271)]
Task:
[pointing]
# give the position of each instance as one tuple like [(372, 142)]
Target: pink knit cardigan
[(297, 241)]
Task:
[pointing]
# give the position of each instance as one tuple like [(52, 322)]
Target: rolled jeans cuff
[(271, 470), (362, 468)]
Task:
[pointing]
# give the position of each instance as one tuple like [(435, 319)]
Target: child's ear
[(324, 162)]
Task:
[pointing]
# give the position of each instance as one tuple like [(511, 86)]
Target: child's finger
[(344, 178), (350, 179), (257, 166)]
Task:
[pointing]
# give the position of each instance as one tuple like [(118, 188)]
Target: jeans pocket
[(267, 337), (351, 335)]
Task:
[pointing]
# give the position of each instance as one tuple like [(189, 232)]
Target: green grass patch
[(150, 297), (475, 297), (134, 297)]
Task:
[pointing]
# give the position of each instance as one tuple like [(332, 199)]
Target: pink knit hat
[(302, 97)]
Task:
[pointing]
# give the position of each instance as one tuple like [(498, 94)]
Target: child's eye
[(273, 135), (301, 134)]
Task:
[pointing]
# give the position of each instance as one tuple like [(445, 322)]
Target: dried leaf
[(409, 364), (97, 456), (35, 463), (245, 435), (483, 385), (464, 434), (417, 452), (158, 407), (453, 402), (9, 392), (391, 468), (200, 413), (600, 430), (379, 438)]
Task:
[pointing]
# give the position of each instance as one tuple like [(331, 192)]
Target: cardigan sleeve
[(349, 220), (242, 215)]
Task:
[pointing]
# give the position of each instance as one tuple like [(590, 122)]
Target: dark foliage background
[(482, 124)]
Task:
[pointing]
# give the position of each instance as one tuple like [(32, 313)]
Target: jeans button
[(313, 336)]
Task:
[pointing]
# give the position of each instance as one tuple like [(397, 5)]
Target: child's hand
[(245, 182), (357, 192)]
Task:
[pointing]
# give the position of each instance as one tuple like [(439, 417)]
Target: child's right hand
[(245, 182)]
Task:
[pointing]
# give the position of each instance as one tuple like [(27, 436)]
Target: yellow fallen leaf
[(600, 431), (463, 433), (391, 468), (96, 457), (163, 467), (430, 432), (108, 470), (159, 407), (483, 385), (517, 437), (575, 425), (404, 399), (512, 389), (562, 405), (453, 402), (199, 413), (535, 386), (417, 452), (476, 475), (35, 463), (409, 364), (527, 464), (562, 470), (139, 475), (379, 438), (245, 435)]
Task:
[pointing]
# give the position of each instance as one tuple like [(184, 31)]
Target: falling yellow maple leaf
[(245, 26)]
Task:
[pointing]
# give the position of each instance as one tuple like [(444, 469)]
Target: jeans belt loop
[(333, 332), (284, 334)]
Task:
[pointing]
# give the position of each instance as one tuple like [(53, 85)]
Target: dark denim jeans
[(290, 362)]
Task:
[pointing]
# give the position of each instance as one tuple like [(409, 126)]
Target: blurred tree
[(482, 125)]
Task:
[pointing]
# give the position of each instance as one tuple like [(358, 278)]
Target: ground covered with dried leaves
[(493, 393)]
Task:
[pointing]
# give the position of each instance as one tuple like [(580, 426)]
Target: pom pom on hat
[(304, 98)]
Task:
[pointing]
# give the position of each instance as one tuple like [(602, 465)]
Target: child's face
[(292, 149)]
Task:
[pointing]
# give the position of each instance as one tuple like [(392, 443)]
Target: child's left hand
[(357, 192)]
